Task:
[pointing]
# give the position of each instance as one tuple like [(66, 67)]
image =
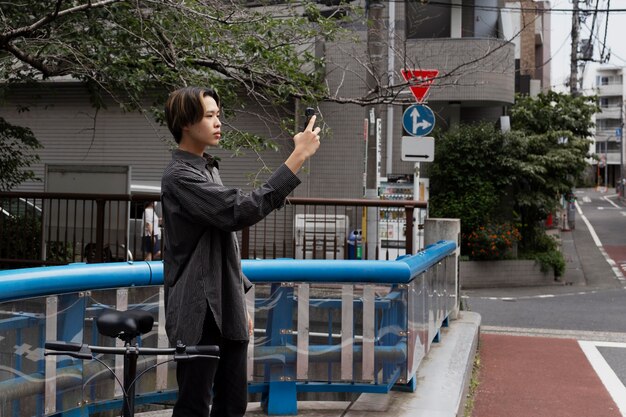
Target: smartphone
[(308, 113)]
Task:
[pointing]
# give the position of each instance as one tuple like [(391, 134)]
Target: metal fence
[(55, 229), (319, 326)]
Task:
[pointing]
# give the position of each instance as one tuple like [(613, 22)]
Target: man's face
[(208, 130)]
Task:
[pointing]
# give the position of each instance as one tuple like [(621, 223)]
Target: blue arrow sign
[(418, 120)]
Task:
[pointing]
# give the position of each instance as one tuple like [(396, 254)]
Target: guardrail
[(60, 228), (320, 326)]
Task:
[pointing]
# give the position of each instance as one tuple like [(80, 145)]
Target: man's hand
[(250, 326), (307, 143)]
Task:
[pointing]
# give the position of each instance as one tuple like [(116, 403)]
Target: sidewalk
[(538, 377)]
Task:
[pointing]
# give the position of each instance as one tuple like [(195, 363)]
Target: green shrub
[(552, 259)]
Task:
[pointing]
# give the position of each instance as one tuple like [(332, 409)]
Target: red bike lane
[(523, 376)]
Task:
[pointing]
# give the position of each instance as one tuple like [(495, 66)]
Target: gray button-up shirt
[(202, 264)]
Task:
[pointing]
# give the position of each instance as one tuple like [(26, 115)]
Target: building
[(611, 91)]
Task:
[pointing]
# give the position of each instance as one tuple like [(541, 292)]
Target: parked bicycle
[(127, 325)]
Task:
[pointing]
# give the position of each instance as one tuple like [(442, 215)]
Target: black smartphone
[(308, 113)]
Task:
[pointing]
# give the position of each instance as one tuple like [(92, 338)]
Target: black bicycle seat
[(124, 324)]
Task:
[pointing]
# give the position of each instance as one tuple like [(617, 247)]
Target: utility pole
[(374, 77), (375, 42), (573, 78), (573, 82)]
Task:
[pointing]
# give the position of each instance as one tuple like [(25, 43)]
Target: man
[(204, 284)]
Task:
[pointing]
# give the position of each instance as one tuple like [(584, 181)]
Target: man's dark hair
[(185, 107)]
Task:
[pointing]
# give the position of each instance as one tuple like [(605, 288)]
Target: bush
[(552, 259), (491, 242), (545, 251)]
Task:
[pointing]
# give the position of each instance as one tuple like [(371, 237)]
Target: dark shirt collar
[(200, 162)]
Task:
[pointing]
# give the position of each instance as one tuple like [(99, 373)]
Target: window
[(601, 147), (604, 124), (424, 20)]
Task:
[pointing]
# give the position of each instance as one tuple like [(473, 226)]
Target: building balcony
[(470, 69), (602, 135), (610, 90), (610, 112), (612, 158)]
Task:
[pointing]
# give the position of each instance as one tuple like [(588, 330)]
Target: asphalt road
[(598, 306)]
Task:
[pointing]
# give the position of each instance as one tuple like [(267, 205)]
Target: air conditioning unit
[(321, 236)]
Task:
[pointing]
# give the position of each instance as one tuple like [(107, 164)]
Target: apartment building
[(607, 145)]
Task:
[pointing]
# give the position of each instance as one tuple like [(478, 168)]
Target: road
[(592, 309), (598, 303)]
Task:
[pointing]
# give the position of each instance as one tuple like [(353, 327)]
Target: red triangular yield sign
[(419, 81)]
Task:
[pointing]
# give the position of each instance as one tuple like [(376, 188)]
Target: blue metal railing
[(320, 326)]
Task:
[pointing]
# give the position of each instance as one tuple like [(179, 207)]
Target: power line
[(604, 45), (498, 8)]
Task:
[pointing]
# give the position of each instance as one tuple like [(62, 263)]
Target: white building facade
[(608, 145)]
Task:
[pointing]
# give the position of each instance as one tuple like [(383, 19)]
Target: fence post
[(99, 229), (447, 229), (281, 398)]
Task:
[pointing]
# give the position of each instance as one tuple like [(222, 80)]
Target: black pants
[(224, 381)]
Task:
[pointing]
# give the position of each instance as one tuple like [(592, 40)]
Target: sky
[(561, 40)]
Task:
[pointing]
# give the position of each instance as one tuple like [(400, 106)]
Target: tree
[(128, 48), (556, 128), (482, 175), (134, 49), (17, 153)]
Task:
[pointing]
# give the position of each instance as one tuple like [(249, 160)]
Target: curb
[(442, 379)]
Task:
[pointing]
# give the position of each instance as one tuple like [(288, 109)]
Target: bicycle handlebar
[(84, 351)]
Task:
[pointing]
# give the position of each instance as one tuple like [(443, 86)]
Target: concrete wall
[(494, 274)]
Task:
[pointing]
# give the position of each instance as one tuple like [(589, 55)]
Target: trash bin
[(355, 246)]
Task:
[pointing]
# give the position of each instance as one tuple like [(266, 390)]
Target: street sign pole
[(416, 196)]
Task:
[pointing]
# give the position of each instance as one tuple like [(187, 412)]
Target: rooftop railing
[(319, 326)]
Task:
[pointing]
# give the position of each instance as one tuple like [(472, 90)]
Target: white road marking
[(612, 202), (556, 333), (596, 239), (586, 199), (623, 213), (531, 297), (609, 208), (612, 383)]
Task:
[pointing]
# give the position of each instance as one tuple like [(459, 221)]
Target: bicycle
[(127, 325)]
